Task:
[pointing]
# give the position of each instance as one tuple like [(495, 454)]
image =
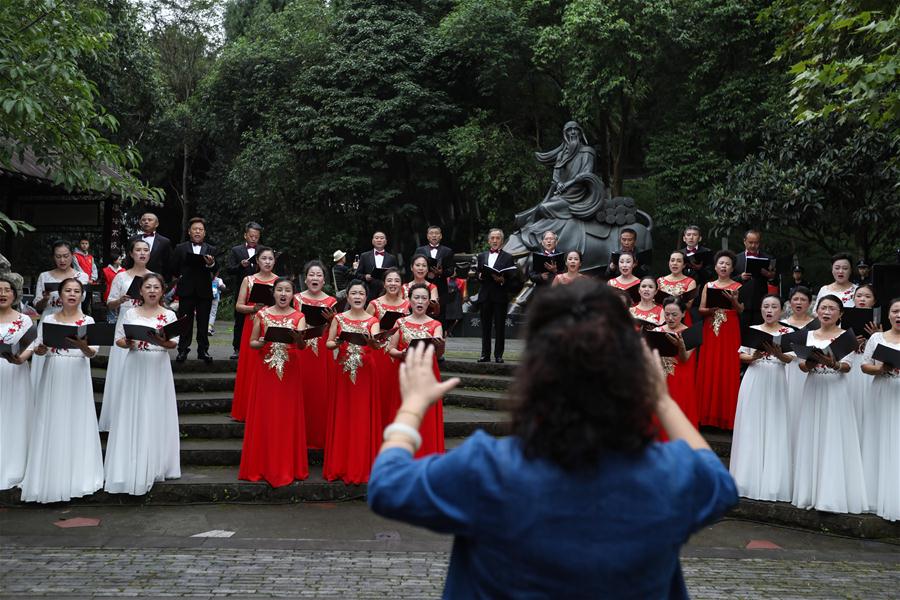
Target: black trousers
[(239, 319), (187, 307), (493, 315)]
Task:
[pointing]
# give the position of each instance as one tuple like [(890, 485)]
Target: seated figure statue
[(577, 207)]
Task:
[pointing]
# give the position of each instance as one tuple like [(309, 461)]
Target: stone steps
[(219, 484)]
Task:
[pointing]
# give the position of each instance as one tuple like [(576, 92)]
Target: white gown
[(859, 384), (828, 470), (54, 305), (796, 379), (761, 447), (64, 457), (117, 289), (16, 406), (881, 437), (143, 445)]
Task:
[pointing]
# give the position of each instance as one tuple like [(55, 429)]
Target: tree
[(830, 184), (845, 59), (183, 32), (605, 54), (48, 104)]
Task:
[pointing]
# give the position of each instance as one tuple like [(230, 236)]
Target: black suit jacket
[(704, 273), (491, 291), (239, 253), (754, 289), (160, 255), (375, 287), (193, 282), (536, 278), (445, 259)]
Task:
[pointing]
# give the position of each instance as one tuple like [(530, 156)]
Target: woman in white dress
[(143, 445), (16, 399), (761, 448), (64, 458), (859, 382), (828, 471), (842, 287), (138, 255), (881, 446), (47, 302), (799, 304)]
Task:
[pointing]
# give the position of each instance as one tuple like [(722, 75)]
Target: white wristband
[(404, 429)]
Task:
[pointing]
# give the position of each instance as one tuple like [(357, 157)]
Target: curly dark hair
[(573, 401)]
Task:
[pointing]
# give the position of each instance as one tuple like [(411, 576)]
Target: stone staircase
[(211, 448)]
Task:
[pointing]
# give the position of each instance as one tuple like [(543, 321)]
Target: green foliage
[(47, 103), (846, 59), (831, 184)]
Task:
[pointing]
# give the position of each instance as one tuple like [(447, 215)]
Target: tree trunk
[(185, 172), (621, 150)]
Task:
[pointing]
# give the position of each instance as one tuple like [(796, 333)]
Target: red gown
[(355, 427), (249, 361), (681, 384), (719, 367), (388, 368), (318, 368), (676, 288), (432, 428), (275, 434)]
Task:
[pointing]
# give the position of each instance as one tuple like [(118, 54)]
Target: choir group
[(816, 419)]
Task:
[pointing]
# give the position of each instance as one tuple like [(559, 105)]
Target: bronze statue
[(578, 208)]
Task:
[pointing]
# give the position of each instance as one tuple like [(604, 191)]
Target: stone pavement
[(344, 551), (261, 573)]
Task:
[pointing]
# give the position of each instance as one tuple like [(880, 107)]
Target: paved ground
[(344, 551)]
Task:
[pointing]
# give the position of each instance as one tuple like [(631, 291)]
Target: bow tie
[(694, 249), (434, 247), (146, 235), (196, 245), (756, 254), (379, 253), (251, 246), (547, 253), (495, 251)]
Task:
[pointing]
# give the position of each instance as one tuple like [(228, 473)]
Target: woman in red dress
[(316, 361), (388, 369), (419, 268), (626, 279), (679, 369), (420, 326), (719, 368), (275, 435), (573, 270), (676, 282), (249, 359), (647, 309), (355, 423)]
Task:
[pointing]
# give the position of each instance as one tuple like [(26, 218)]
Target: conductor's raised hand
[(418, 386)]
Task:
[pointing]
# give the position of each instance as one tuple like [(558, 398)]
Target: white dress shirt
[(492, 258), (379, 258)]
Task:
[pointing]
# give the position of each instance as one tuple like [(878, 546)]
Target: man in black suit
[(755, 287), (160, 246), (242, 263), (545, 279), (493, 297), (376, 258), (444, 268), (699, 264), (195, 275)]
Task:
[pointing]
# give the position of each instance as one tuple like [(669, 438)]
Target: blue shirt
[(527, 529)]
